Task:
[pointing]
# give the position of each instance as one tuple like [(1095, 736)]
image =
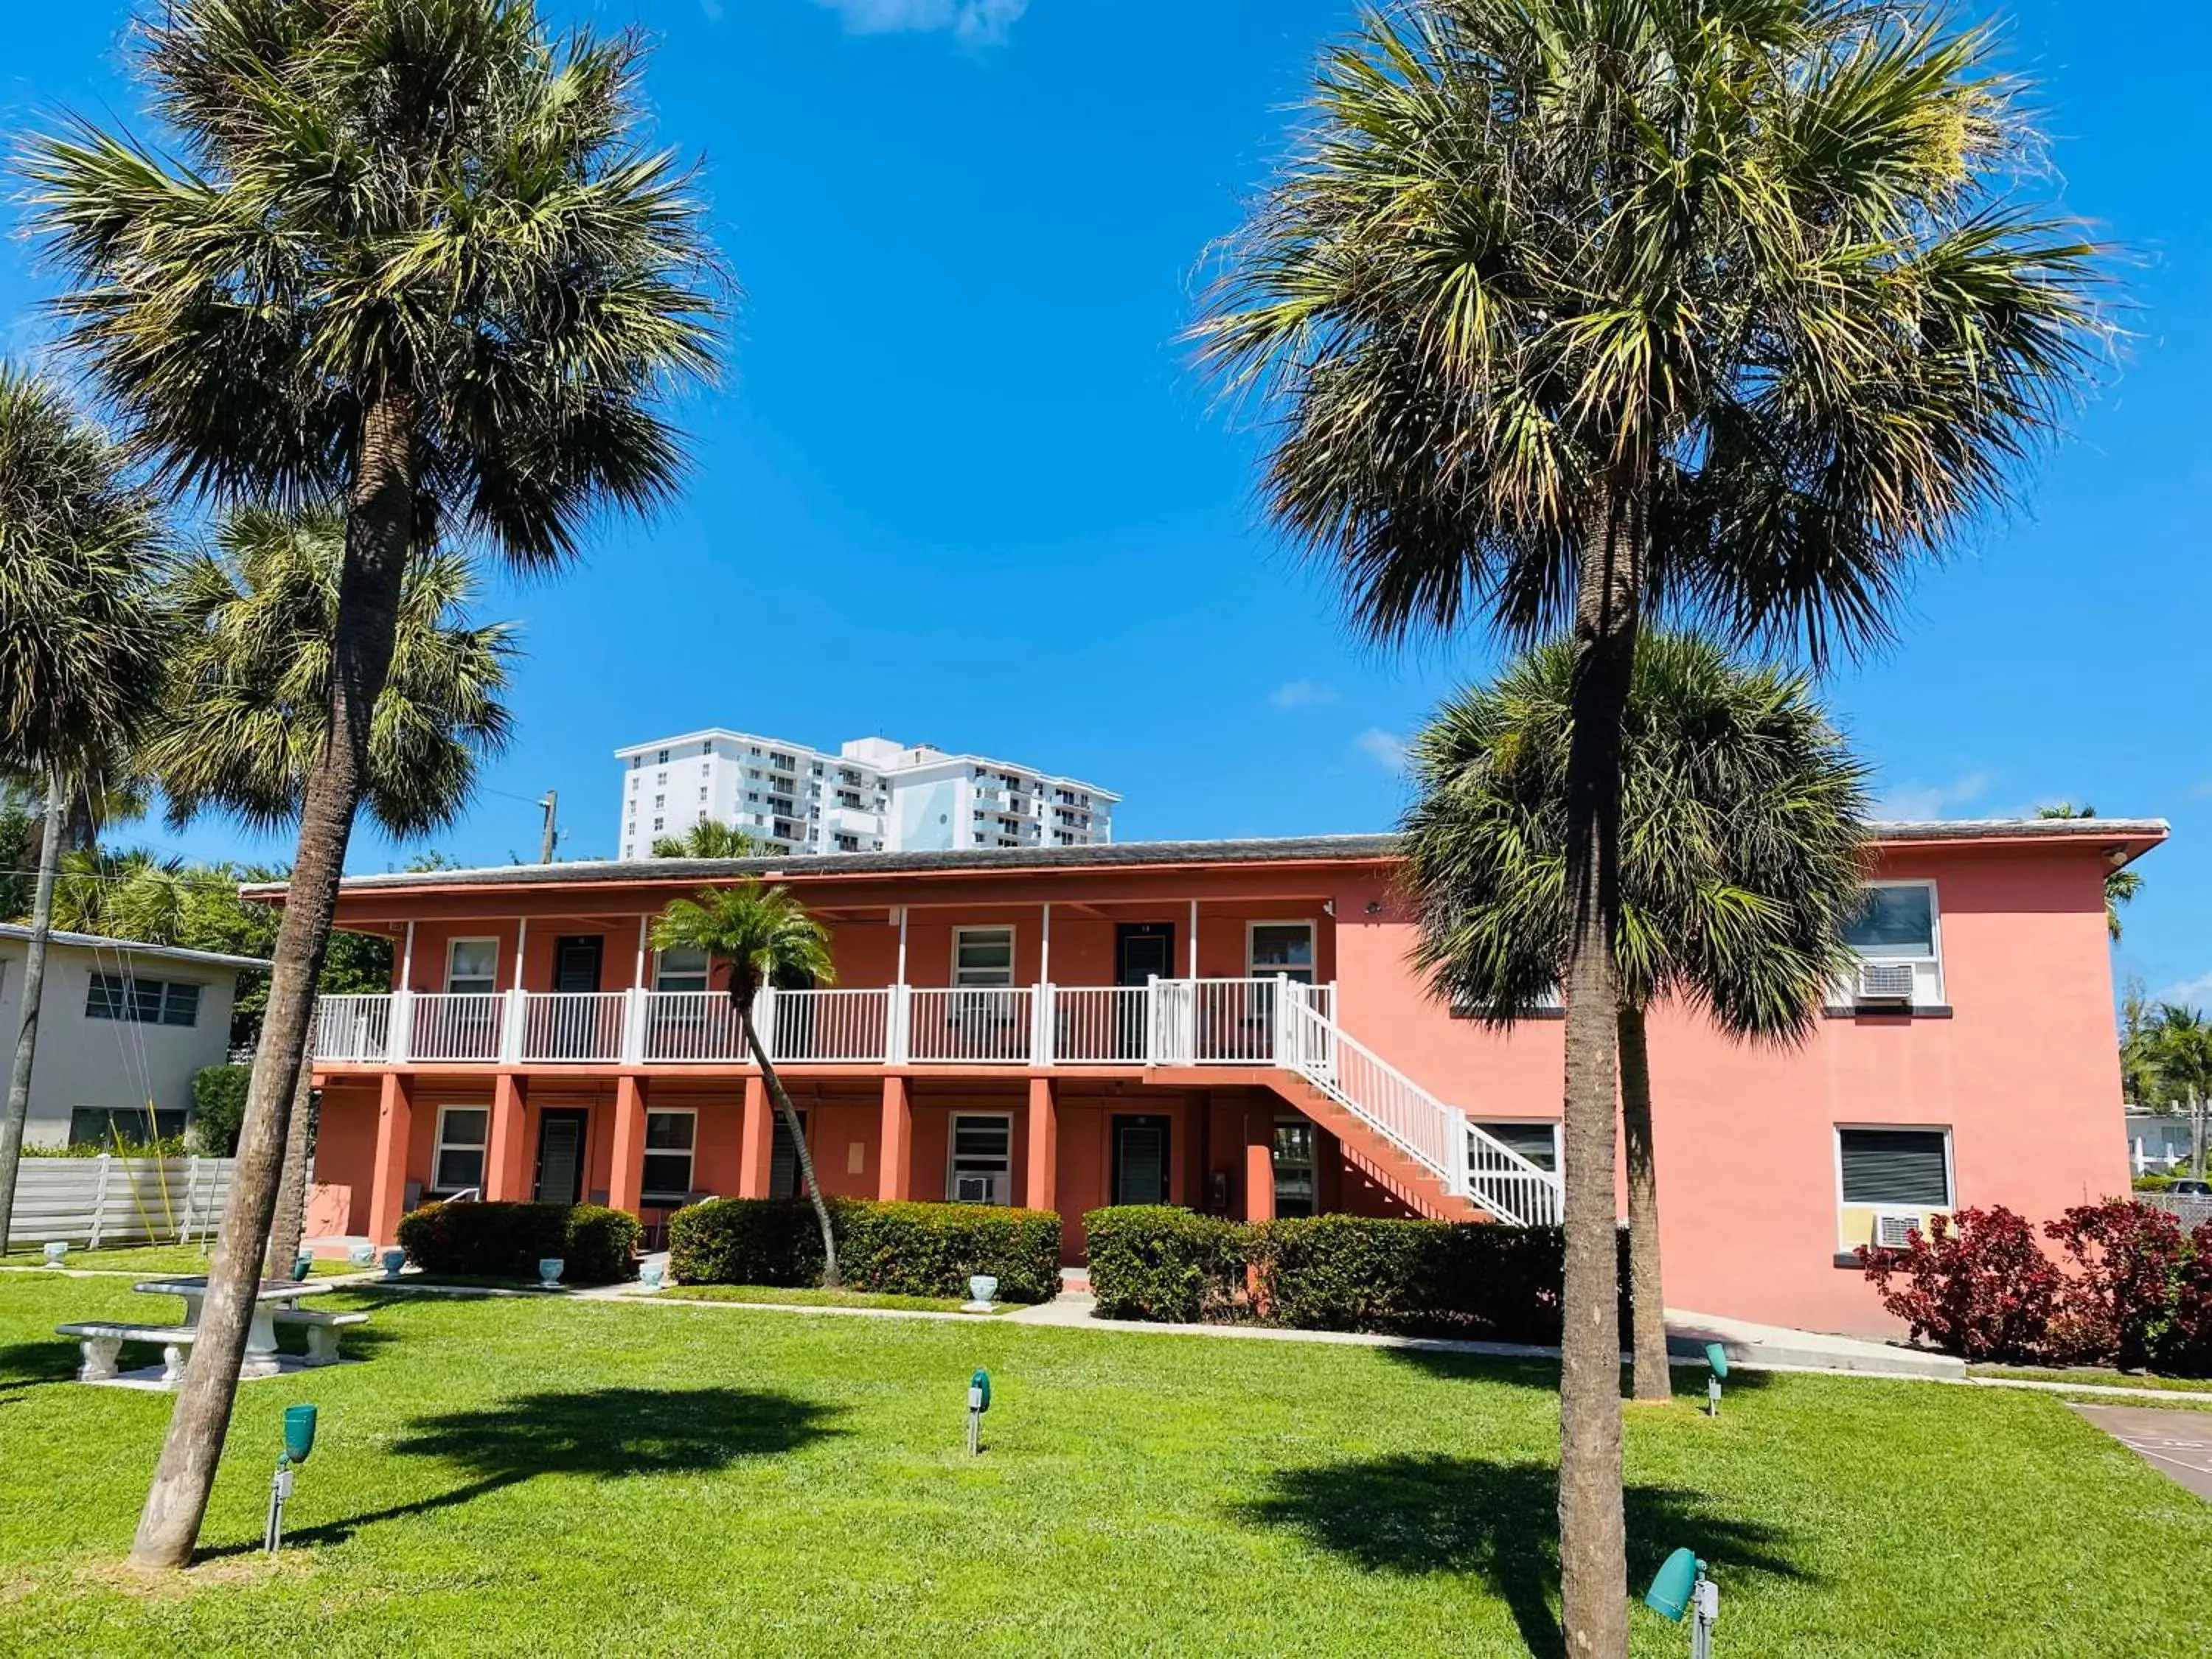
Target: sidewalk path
[(2169, 1441)]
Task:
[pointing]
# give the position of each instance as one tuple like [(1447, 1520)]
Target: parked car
[(2192, 1188)]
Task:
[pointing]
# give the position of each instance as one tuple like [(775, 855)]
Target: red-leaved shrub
[(2118, 1301), (2186, 1347), (1975, 1284)]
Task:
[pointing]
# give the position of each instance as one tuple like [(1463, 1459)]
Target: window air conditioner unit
[(971, 1190), (1890, 1228), (1883, 981)]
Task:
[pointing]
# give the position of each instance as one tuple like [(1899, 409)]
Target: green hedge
[(906, 1249), (218, 1108), (1156, 1262), (598, 1246), (1334, 1273)]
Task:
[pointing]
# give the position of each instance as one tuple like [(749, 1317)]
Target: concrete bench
[(322, 1330), (102, 1342)]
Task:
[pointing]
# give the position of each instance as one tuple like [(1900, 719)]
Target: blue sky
[(959, 486)]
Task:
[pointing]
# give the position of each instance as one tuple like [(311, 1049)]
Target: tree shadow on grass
[(607, 1434), (1415, 1516), (27, 1365)]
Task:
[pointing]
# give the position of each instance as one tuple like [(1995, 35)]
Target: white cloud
[(1386, 749), (2189, 993), (1921, 802), (1302, 694), (974, 22)]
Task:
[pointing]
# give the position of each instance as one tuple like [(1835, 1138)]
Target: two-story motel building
[(1230, 1026)]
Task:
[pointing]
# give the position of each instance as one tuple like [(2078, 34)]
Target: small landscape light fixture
[(979, 1402), (299, 1441), (983, 1293), (549, 1268), (1682, 1586), (393, 1261), (56, 1252), (1717, 1358)]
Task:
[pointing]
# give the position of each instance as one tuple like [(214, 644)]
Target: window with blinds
[(142, 1001), (1910, 1168)]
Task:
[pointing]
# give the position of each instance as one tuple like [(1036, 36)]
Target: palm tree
[(709, 838), (1742, 858), (248, 703), (1562, 309), (764, 936), (2121, 886), (410, 256), (2177, 1052), (81, 633)]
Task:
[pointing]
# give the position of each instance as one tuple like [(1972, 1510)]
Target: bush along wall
[(597, 1245), (2125, 1286), (908, 1249), (1334, 1273), (218, 1108)]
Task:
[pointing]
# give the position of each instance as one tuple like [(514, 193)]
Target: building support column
[(1259, 1163), (626, 1181), (1042, 1190), (387, 1191), (507, 1164), (895, 1166), (756, 1149)]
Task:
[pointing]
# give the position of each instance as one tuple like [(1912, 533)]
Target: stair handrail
[(1312, 1036)]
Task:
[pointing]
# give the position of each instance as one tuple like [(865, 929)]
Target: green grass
[(780, 1296), (153, 1259), (2095, 1376), (562, 1476)]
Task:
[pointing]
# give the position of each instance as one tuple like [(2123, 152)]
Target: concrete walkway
[(2165, 1440), (1752, 1347)]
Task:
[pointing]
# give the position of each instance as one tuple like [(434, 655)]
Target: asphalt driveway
[(2179, 1442)]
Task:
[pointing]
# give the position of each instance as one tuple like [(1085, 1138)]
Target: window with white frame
[(670, 1139), (1281, 950), (142, 1001), (678, 969), (1888, 1180), (472, 966), (1896, 935), (458, 1163), (982, 1159), (1536, 1141), (982, 956)]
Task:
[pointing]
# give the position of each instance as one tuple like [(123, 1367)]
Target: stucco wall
[(107, 1062)]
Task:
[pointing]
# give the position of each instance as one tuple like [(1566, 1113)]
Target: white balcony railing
[(1276, 1022)]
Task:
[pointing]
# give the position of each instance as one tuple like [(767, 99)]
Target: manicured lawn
[(153, 1259), (562, 1476), (782, 1296), (2096, 1375)]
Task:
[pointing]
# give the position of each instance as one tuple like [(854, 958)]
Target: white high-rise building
[(872, 795)]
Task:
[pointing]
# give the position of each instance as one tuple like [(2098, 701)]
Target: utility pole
[(551, 805)]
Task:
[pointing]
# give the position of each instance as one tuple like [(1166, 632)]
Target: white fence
[(94, 1202)]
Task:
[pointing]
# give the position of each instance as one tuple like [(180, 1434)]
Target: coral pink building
[(1229, 1025)]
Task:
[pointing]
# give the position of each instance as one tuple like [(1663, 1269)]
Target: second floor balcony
[(1165, 1023)]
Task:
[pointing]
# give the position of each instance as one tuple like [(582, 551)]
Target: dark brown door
[(576, 960), (1143, 951), (1140, 1160), (561, 1155)]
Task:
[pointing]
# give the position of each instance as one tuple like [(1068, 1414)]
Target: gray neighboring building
[(123, 1029)]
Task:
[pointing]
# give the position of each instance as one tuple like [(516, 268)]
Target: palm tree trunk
[(379, 522), (1593, 1542), (34, 983), (1646, 1294), (292, 1186), (831, 1279)]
